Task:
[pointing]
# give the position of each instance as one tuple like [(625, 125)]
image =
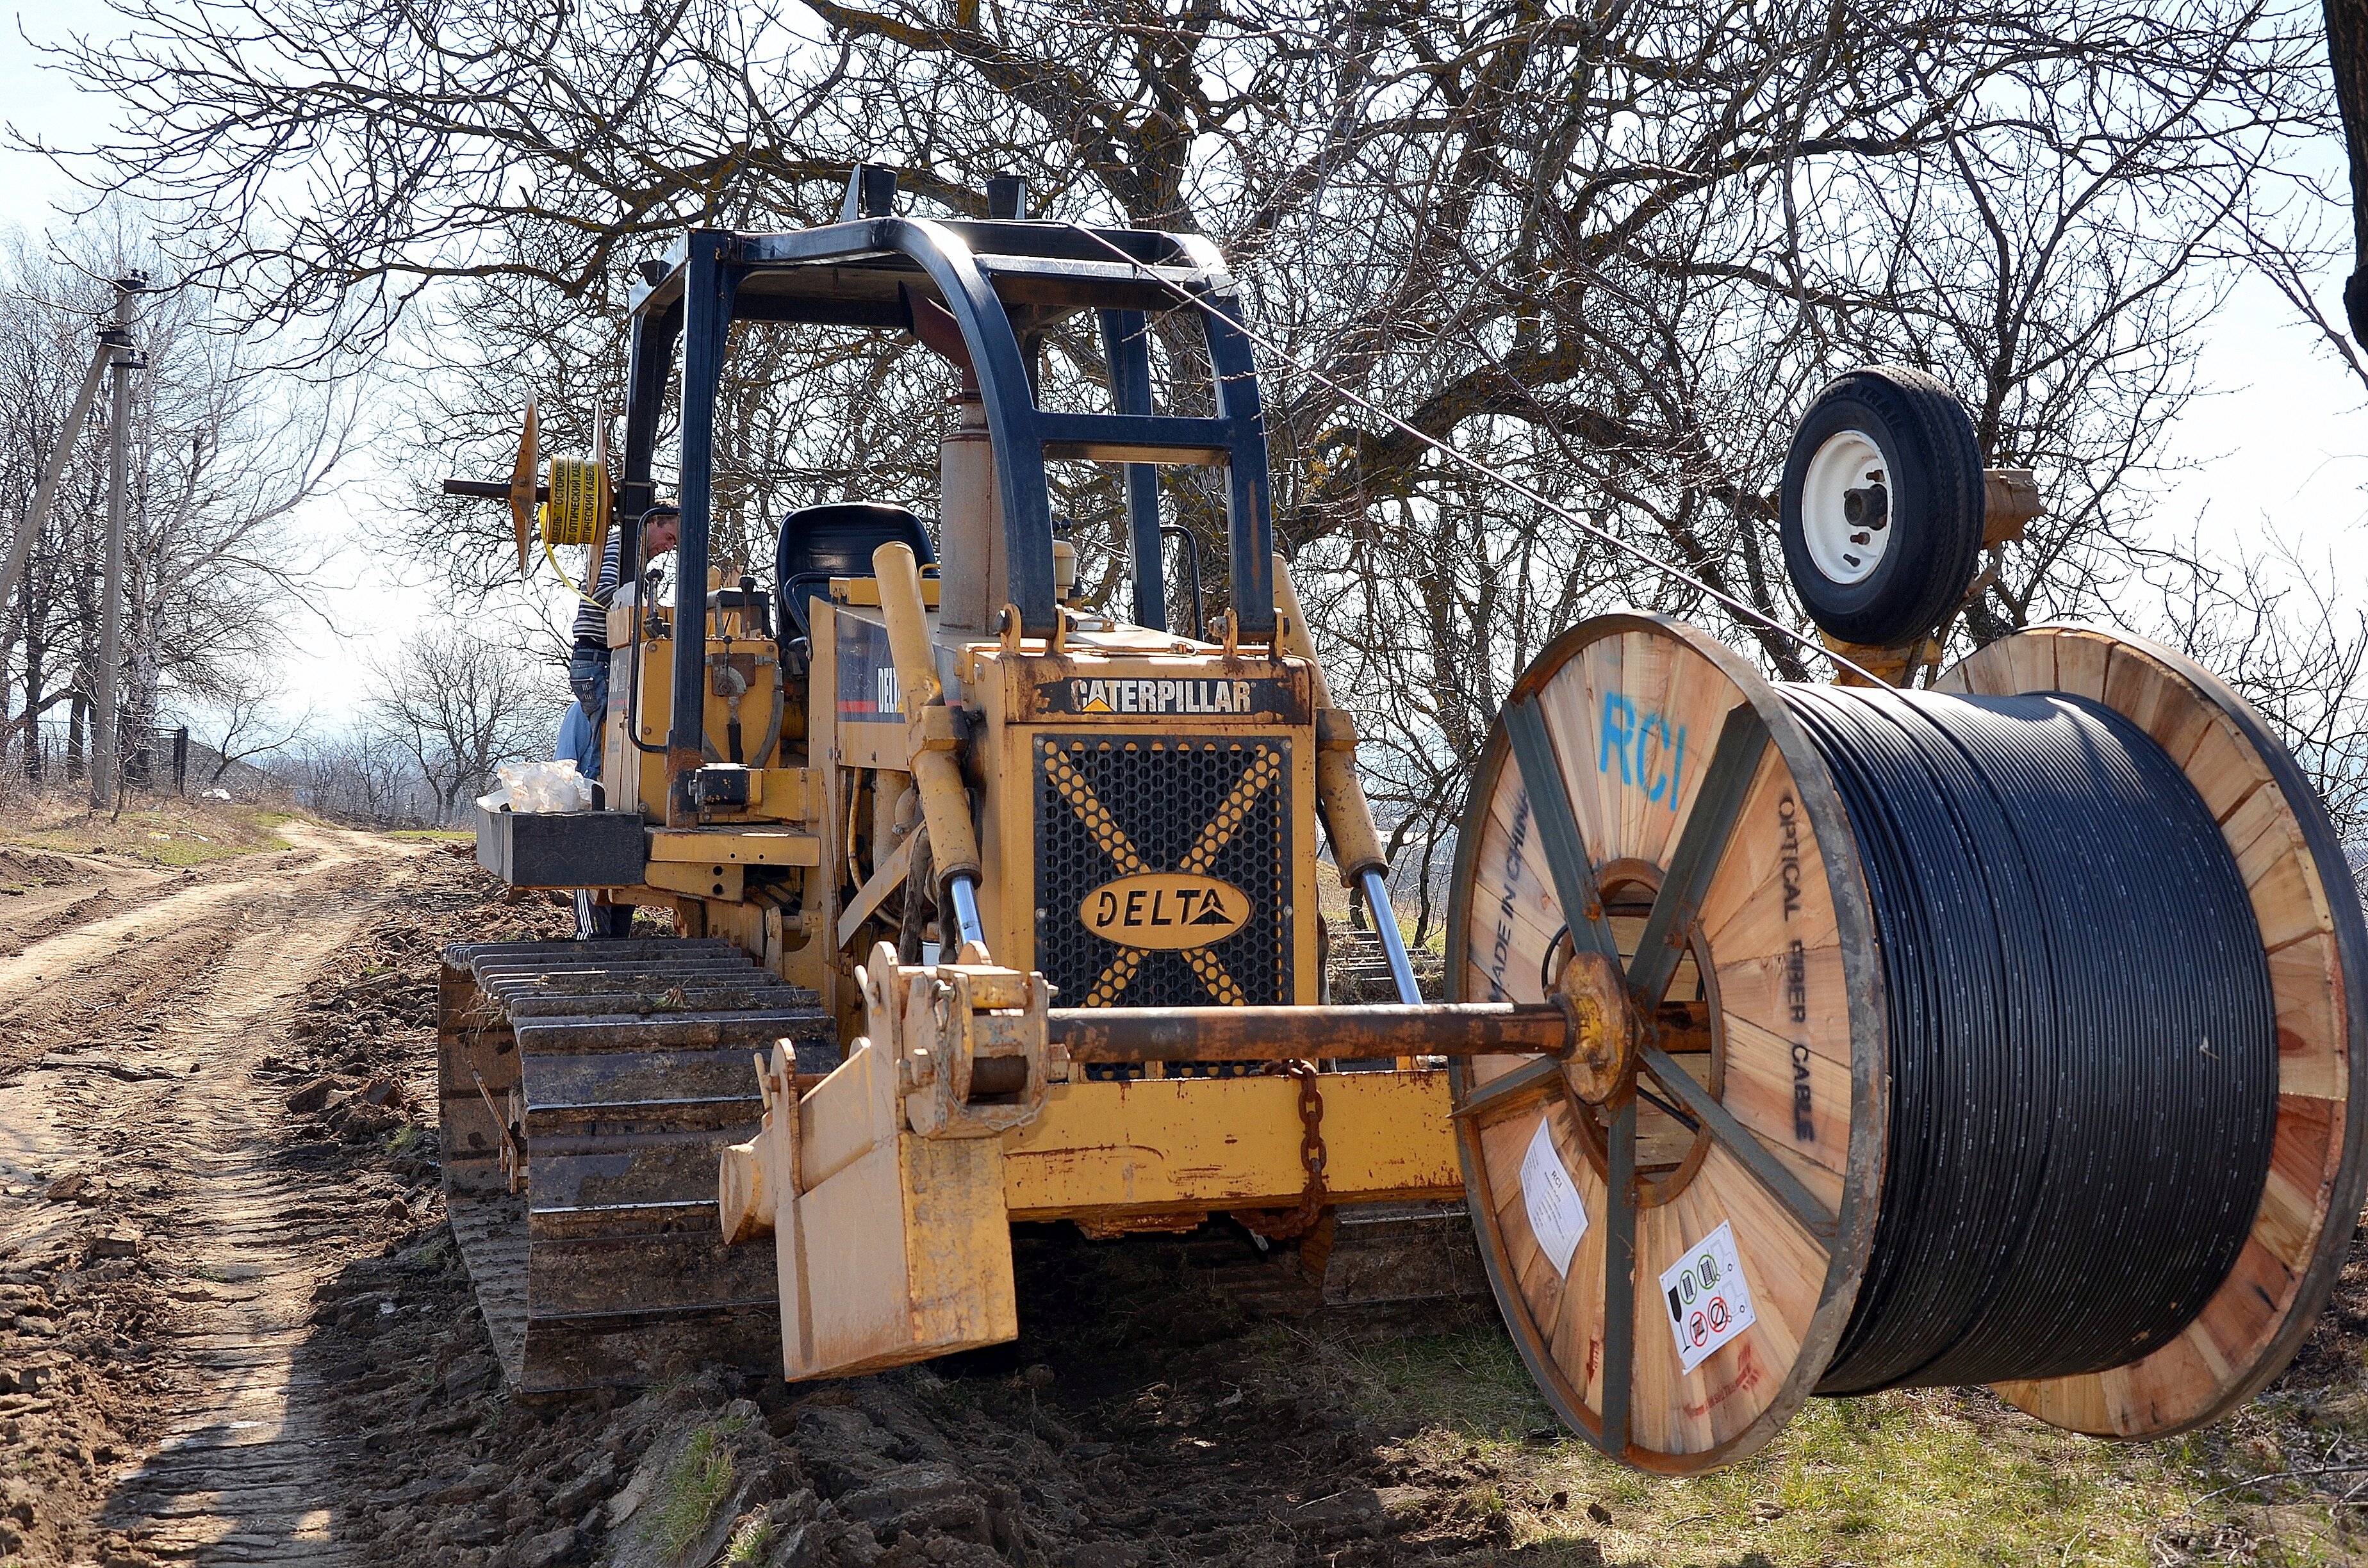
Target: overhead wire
[(1744, 608)]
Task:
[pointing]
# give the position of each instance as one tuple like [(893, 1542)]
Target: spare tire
[(1880, 511)]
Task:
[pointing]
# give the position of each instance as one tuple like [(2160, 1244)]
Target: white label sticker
[(1708, 1301), (1557, 1216)]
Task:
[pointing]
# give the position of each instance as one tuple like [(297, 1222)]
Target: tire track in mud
[(140, 941), (151, 1023), (297, 1365)]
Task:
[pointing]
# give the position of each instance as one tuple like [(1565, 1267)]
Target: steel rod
[(1284, 1034), (1346, 1032), (967, 925), (489, 489), (1385, 923)]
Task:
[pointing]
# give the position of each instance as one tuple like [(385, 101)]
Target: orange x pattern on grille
[(1074, 787)]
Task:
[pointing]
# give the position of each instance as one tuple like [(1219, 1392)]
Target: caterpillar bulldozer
[(899, 807), (992, 908)]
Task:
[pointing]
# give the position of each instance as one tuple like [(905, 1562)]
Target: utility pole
[(107, 740), (2347, 55), (114, 342)]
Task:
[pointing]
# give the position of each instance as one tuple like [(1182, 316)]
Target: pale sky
[(368, 599), (2286, 437)]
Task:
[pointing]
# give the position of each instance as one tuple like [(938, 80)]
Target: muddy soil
[(234, 1327)]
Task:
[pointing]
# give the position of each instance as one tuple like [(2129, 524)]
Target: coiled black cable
[(2083, 1047)]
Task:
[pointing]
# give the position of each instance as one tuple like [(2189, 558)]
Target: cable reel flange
[(1635, 741), (2302, 894), (1743, 863)]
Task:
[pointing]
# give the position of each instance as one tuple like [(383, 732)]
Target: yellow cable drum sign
[(578, 512)]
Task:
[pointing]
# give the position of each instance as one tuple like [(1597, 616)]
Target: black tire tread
[(1932, 572)]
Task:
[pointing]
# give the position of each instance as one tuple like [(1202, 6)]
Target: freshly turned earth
[(234, 1327)]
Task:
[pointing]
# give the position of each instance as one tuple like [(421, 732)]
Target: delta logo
[(1164, 911)]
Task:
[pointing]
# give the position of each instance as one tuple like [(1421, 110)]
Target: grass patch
[(167, 832), (696, 1485), (427, 1255), (1472, 1383), (433, 835), (1921, 1477), (405, 1139)]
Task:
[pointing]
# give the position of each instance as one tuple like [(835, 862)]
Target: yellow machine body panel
[(854, 715), (1194, 1145), (1147, 819), (779, 792), (1150, 822)]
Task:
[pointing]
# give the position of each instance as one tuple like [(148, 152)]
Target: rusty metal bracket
[(972, 1056), (513, 1137)]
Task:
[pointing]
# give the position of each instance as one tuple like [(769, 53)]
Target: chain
[(1289, 1224)]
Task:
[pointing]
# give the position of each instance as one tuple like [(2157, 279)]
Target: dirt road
[(232, 1327), (161, 1250)]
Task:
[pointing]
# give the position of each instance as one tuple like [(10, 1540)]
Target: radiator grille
[(1108, 806)]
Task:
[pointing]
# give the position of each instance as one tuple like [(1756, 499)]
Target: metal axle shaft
[(1131, 1035)]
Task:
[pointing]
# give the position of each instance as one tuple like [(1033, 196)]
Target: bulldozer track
[(587, 1090)]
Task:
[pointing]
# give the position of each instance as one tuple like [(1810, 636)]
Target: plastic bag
[(540, 787)]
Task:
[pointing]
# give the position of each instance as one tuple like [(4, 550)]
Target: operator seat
[(818, 543)]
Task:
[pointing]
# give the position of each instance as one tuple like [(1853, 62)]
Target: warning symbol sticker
[(1557, 1215), (1709, 1303)]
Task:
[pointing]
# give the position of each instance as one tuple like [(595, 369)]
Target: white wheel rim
[(1844, 552)]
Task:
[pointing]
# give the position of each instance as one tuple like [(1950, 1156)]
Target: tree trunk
[(143, 664), (86, 623), (2347, 52), (36, 668)]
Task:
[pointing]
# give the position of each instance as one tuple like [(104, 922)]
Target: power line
[(1750, 612)]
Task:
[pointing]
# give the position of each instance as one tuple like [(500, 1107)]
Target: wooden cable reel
[(1648, 805)]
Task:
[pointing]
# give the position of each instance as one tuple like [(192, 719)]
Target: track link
[(586, 1090)]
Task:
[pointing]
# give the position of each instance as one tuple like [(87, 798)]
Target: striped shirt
[(592, 614)]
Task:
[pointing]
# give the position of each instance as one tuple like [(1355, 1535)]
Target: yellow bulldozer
[(921, 749), (990, 907)]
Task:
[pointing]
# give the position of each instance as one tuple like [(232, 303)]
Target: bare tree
[(1607, 252), (220, 459), (247, 725), (2280, 626), (360, 776), (459, 707)]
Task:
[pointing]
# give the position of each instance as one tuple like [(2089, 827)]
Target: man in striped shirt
[(587, 666)]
